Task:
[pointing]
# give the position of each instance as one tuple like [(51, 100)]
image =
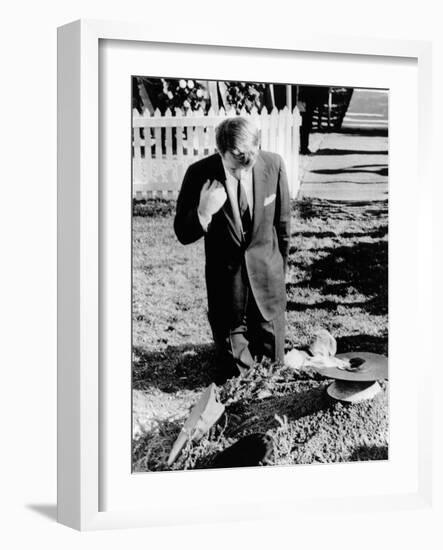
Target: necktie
[(243, 208)]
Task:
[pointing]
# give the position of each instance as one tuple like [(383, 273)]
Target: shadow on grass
[(361, 266), (339, 152), (351, 170), (328, 305), (374, 233), (370, 452), (363, 342), (363, 131), (175, 368), (326, 210)]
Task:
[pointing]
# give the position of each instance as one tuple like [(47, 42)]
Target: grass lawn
[(337, 279)]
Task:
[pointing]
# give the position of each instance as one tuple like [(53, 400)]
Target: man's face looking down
[(238, 162)]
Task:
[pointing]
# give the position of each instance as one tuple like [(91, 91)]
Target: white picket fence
[(165, 145)]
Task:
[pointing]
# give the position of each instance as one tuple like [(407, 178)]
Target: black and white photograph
[(259, 274)]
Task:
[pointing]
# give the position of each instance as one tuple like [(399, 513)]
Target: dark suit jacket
[(266, 253)]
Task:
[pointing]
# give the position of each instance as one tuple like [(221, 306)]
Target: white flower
[(170, 95), (186, 103), (190, 84), (182, 83), (199, 93)]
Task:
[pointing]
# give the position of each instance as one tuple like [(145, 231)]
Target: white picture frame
[(80, 363)]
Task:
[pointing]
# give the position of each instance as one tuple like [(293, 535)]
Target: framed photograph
[(240, 276)]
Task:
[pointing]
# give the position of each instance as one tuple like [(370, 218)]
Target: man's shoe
[(222, 375), (220, 378)]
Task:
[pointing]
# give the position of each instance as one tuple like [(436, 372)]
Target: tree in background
[(192, 95), (165, 93), (245, 95), (187, 95)]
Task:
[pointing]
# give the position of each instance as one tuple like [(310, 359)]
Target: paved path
[(368, 109), (346, 167)]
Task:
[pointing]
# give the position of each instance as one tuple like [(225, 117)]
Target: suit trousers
[(244, 335), (306, 129)]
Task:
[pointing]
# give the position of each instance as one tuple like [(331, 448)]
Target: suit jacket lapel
[(227, 209), (259, 187)]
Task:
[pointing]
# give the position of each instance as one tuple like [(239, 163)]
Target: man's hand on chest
[(212, 198)]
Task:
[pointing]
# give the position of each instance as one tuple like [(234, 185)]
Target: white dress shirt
[(246, 182)]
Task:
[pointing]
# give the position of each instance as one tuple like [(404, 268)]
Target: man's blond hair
[(240, 136)]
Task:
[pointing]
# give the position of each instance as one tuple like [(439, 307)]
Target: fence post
[(273, 127), (169, 145), (210, 130), (136, 148), (294, 184), (289, 97), (288, 141), (146, 173), (179, 144), (329, 107), (264, 124), (200, 136)]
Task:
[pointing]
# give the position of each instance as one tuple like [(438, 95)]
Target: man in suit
[(238, 199), (309, 99)]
